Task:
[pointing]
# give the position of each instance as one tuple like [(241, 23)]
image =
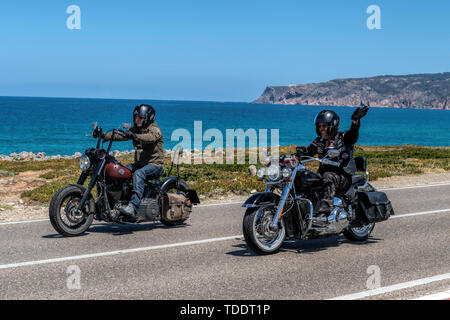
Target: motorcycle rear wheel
[(256, 219), (358, 234), (62, 212)]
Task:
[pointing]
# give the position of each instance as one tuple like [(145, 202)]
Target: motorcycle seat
[(358, 179)]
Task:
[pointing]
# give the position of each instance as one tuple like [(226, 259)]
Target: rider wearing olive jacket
[(149, 153), (335, 178)]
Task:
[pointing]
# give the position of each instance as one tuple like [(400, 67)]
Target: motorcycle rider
[(149, 153), (334, 178)]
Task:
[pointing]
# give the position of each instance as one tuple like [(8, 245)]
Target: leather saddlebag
[(374, 207), (176, 207)]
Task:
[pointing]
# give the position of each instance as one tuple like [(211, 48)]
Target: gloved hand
[(97, 132), (360, 112), (300, 150), (130, 135)]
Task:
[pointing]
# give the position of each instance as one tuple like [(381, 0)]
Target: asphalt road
[(151, 261)]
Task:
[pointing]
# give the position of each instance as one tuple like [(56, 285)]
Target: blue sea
[(62, 125)]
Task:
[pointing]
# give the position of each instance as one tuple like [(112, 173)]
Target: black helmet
[(329, 117), (145, 111)]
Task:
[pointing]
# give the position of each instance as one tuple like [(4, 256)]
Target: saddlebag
[(176, 207), (374, 207)]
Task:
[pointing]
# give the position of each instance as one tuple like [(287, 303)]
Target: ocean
[(63, 125)]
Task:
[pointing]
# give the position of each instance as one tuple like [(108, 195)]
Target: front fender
[(260, 199)]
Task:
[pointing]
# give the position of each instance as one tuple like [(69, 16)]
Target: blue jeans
[(140, 176)]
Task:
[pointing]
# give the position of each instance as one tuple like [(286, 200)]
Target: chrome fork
[(284, 195)]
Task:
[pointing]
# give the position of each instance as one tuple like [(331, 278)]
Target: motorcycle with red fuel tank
[(73, 208)]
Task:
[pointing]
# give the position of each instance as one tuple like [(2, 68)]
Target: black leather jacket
[(343, 141)]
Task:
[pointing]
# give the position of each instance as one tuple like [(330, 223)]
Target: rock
[(252, 170), (23, 155), (421, 91)]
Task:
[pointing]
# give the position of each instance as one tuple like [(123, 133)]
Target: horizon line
[(103, 98)]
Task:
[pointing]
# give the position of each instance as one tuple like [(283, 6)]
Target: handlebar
[(325, 161)]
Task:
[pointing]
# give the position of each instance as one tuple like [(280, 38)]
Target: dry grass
[(220, 179)]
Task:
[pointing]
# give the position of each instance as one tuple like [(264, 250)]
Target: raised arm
[(351, 136)]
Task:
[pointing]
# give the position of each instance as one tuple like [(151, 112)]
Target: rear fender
[(191, 194)]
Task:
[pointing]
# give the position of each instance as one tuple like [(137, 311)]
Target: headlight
[(273, 172), (85, 163), (286, 172), (260, 173)]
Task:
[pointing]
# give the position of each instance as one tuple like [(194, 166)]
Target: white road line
[(414, 187), (437, 296), (418, 213), (219, 204), (201, 205), (395, 287), (100, 254), (24, 221), (239, 202), (110, 253)]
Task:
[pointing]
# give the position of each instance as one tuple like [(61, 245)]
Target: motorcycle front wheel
[(257, 234), (63, 214)]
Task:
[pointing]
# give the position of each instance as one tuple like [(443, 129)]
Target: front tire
[(259, 238), (62, 211)]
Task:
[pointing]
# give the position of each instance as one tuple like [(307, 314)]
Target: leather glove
[(301, 150), (97, 132), (130, 135), (360, 112)]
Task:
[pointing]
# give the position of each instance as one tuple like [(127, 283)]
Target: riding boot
[(129, 211), (324, 208)]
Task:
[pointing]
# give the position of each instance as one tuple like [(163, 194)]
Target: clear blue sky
[(211, 50)]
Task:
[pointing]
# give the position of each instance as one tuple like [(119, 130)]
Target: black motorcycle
[(73, 208), (287, 209)]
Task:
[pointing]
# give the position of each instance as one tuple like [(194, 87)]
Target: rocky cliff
[(422, 91)]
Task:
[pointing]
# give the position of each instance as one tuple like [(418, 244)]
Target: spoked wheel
[(64, 215), (359, 233), (257, 232)]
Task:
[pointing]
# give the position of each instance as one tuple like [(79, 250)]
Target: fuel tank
[(117, 171), (307, 181)]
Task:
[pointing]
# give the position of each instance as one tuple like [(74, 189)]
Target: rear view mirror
[(126, 125), (94, 125)]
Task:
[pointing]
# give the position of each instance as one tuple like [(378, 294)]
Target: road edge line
[(391, 288), (116, 252)]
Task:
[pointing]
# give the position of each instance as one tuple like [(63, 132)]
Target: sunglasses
[(323, 125)]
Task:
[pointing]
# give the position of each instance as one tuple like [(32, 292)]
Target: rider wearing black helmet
[(149, 153), (335, 178)]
